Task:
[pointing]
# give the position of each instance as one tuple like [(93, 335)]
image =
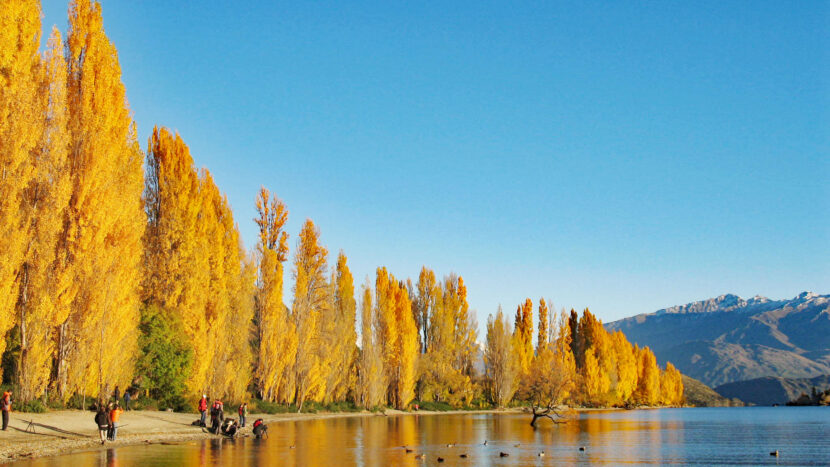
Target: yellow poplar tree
[(311, 299), (596, 380), (542, 336), (501, 366), (407, 349), (671, 386), (626, 368), (229, 307), (276, 334), (175, 245), (20, 121), (447, 366), (371, 379), (648, 383), (44, 283), (523, 335), (105, 221), (341, 377), (387, 327), (465, 326), (424, 303), (563, 353)]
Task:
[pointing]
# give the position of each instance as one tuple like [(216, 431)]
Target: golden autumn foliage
[(43, 280), (196, 268), (523, 335), (176, 255), (648, 382), (83, 249), (105, 221), (424, 304), (342, 372), (371, 392), (671, 386), (501, 365), (311, 304), (21, 122), (542, 336), (275, 332)]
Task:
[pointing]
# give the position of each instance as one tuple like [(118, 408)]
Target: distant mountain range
[(773, 390), (728, 338)]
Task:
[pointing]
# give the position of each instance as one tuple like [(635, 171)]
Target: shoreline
[(71, 431)]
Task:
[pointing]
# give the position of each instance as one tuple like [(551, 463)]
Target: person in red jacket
[(243, 413), (203, 408), (115, 415)]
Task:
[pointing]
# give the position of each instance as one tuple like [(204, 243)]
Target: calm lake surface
[(705, 436)]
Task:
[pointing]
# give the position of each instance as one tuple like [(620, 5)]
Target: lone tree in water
[(546, 385)]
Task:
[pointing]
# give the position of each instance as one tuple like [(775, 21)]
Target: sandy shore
[(62, 432)]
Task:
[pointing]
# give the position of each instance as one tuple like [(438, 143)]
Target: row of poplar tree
[(575, 361), (125, 268)]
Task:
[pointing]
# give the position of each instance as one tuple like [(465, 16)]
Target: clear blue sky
[(622, 156)]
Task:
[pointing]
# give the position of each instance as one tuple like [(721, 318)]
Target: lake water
[(705, 436)]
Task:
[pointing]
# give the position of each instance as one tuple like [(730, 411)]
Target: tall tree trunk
[(24, 342)]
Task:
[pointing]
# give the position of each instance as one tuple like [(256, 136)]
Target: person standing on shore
[(116, 394), (115, 414), (203, 408), (127, 397), (243, 413), (217, 414), (6, 407), (103, 422)]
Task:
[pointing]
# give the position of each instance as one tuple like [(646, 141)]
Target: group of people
[(218, 423), (107, 418), (128, 396)]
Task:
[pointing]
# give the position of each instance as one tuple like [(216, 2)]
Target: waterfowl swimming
[(582, 448), (774, 453), (503, 454), (541, 454), (450, 445), (419, 456), (408, 450), (485, 442), (463, 456), (440, 459)]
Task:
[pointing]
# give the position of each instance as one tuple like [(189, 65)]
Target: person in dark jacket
[(217, 415), (230, 427), (116, 394), (6, 407), (102, 419), (127, 397)]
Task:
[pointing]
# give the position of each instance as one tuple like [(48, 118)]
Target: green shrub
[(35, 406), (260, 406), (435, 406), (165, 357)]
